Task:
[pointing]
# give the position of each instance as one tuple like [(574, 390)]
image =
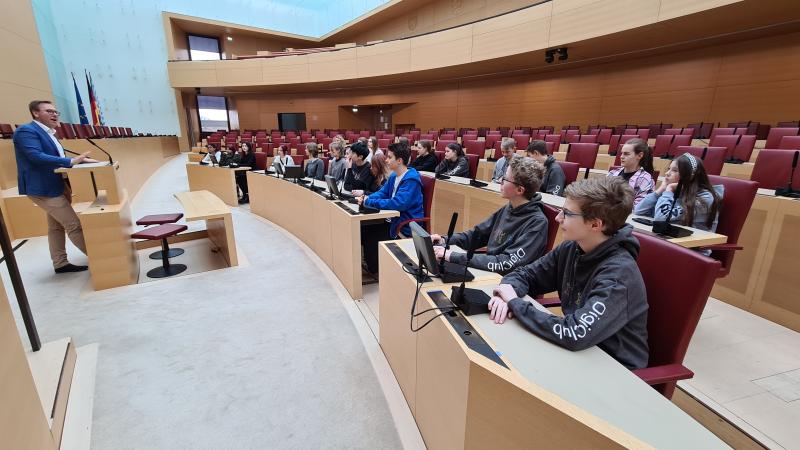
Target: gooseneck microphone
[(110, 159), (789, 191), (474, 242), (450, 230)]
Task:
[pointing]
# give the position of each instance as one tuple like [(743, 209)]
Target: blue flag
[(81, 111)]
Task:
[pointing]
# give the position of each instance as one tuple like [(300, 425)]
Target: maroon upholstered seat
[(713, 157), (159, 219), (739, 147), (552, 226), (773, 167), (159, 232), (475, 148), (428, 185), (583, 154), (162, 232), (571, 170), (736, 202), (473, 164), (674, 308), (775, 135), (790, 143), (261, 160)]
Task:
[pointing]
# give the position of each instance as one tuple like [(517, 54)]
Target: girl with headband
[(698, 201)]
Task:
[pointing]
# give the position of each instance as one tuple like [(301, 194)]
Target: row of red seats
[(77, 131)]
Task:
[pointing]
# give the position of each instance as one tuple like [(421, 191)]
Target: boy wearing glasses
[(516, 234), (595, 273), (38, 154)]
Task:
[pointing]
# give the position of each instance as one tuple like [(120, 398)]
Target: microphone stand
[(664, 227), (459, 299), (788, 191), (110, 159)]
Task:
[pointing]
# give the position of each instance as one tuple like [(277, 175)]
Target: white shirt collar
[(47, 129)]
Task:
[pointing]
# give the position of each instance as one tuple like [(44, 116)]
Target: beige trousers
[(61, 219)]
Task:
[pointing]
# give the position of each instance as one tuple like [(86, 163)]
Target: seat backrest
[(773, 167), (552, 226), (473, 164), (583, 153), (571, 135), (713, 157), (701, 130), (490, 140), (571, 170), (384, 143), (662, 145), (299, 160), (475, 148), (674, 308), (325, 161), (522, 140), (616, 144), (721, 132), (128, 132), (587, 138), (68, 130), (789, 124), (427, 137), (447, 137), (389, 136), (679, 140), (428, 186), (441, 144), (736, 203), (775, 135), (604, 136), (268, 148), (261, 160), (738, 146), (551, 147), (294, 142), (439, 155), (790, 142)]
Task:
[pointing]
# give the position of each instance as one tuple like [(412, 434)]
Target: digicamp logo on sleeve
[(508, 264), (584, 325)]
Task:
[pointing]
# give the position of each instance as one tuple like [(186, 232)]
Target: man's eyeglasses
[(504, 179), (52, 112), (567, 213)]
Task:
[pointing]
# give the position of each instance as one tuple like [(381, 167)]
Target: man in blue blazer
[(38, 154)]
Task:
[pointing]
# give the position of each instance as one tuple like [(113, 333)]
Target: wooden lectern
[(106, 222), (87, 180)]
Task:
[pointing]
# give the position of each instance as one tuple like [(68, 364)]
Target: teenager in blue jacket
[(402, 192)]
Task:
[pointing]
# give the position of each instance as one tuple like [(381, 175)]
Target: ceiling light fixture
[(562, 54), (549, 56)]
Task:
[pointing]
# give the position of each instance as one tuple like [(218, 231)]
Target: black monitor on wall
[(291, 121)]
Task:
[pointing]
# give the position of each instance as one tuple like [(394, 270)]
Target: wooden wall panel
[(711, 84), (592, 19), (23, 76)]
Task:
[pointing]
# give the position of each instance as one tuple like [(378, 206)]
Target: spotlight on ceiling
[(562, 54), (230, 38), (548, 56), (355, 108)]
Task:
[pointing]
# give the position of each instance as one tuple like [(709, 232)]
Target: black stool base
[(168, 271), (173, 252)]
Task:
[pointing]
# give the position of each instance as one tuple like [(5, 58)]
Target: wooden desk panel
[(218, 180), (741, 171), (107, 231), (321, 224)]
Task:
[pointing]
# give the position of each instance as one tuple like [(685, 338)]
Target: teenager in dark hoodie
[(357, 174), (516, 234), (402, 192), (595, 273), (455, 163), (554, 179), (426, 160)]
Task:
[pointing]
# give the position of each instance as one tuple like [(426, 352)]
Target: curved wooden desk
[(545, 396), (332, 229)]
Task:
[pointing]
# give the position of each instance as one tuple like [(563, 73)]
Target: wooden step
[(64, 377)]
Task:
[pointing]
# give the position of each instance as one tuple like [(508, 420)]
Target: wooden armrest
[(664, 374), (722, 247), (549, 302), (402, 224)]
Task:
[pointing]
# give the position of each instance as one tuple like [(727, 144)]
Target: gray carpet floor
[(259, 356)]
